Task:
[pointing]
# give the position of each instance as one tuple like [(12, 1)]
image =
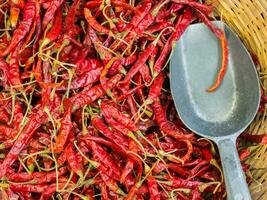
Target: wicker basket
[(249, 19)]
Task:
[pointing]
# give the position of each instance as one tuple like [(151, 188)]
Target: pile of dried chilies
[(85, 108)]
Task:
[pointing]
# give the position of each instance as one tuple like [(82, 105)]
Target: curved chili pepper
[(70, 18), (92, 4), (54, 32), (129, 60), (120, 117), (153, 188), (261, 139), (23, 29), (14, 72), (83, 80), (51, 11), (14, 16), (201, 7), (158, 27), (180, 183), (180, 27), (103, 156), (145, 73), (117, 138), (86, 97), (130, 92), (175, 7), (112, 185), (223, 67), (64, 131), (94, 24), (72, 160), (105, 55), (166, 126)]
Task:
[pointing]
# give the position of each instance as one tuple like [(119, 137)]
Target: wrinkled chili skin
[(23, 29), (86, 109)]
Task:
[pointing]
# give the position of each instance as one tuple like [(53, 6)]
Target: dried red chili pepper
[(64, 131), (51, 11), (103, 156), (54, 32), (13, 70), (153, 188), (38, 188), (117, 138), (72, 160), (180, 27), (94, 24), (166, 126), (23, 29)]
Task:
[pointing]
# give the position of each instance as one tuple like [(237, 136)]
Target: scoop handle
[(236, 185)]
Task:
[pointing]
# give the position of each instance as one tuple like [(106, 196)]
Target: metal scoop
[(222, 115)]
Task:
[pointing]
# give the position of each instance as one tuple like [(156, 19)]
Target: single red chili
[(166, 126), (221, 36), (83, 80), (94, 24), (13, 70), (130, 92), (180, 183), (51, 11), (158, 27), (71, 16), (38, 188), (54, 32), (36, 177), (87, 65), (64, 131), (72, 160)]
